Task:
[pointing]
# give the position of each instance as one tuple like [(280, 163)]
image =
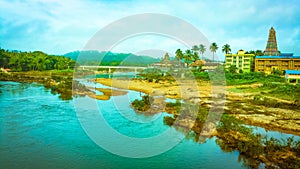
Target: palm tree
[(195, 56), (202, 49), (178, 56), (213, 48), (195, 49), (188, 56), (226, 49)]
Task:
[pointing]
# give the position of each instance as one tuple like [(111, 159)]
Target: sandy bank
[(237, 104), (174, 90)]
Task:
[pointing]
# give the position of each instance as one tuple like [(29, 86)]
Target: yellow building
[(283, 62), (240, 60)]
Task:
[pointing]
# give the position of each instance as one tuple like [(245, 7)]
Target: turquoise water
[(119, 75), (38, 130)]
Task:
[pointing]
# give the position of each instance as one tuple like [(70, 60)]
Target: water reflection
[(38, 128)]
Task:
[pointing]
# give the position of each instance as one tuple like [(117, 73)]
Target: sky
[(58, 27)]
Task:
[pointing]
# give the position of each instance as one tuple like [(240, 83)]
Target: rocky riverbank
[(270, 113), (61, 83)]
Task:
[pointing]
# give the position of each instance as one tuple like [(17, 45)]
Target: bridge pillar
[(109, 72), (135, 72)]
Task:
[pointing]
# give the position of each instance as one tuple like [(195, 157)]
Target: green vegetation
[(58, 81), (144, 104), (226, 48), (256, 52), (213, 48), (178, 56), (273, 103), (156, 75), (249, 78), (33, 61), (238, 78), (232, 135), (61, 85), (284, 91), (151, 74), (255, 148), (109, 59), (275, 90), (202, 49)]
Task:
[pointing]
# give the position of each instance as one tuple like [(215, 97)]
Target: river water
[(39, 130)]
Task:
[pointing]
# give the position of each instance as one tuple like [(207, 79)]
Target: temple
[(272, 61), (271, 48)]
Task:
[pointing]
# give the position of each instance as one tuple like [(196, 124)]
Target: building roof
[(211, 64), (293, 72), (278, 57), (286, 54)]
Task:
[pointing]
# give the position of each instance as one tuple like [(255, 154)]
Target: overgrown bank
[(231, 134), (59, 82)]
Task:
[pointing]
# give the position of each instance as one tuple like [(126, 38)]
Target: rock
[(195, 100), (208, 129)]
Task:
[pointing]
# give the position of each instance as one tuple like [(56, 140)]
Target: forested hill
[(109, 58), (37, 60)]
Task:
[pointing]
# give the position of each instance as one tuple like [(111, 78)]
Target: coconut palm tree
[(195, 56), (195, 49), (202, 49), (188, 56), (226, 49), (178, 56), (213, 48)]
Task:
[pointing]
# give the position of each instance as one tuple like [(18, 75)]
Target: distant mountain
[(92, 57)]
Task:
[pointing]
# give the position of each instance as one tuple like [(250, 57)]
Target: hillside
[(108, 58)]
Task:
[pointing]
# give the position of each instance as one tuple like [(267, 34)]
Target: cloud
[(58, 27)]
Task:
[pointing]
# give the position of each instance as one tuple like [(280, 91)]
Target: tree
[(4, 59), (226, 49), (195, 56), (195, 49), (202, 49), (27, 61), (259, 53), (232, 69), (188, 56), (250, 52), (213, 48), (178, 56)]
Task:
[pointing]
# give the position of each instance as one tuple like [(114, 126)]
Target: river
[(39, 130)]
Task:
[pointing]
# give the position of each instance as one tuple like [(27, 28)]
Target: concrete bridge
[(135, 68)]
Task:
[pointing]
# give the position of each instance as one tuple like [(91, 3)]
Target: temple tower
[(271, 48)]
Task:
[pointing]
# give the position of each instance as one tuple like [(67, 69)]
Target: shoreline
[(236, 104)]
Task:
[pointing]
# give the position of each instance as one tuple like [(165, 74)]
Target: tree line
[(191, 55), (33, 61)]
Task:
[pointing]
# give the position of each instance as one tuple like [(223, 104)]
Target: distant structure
[(164, 63), (292, 76), (271, 48), (268, 64), (210, 66), (242, 61), (273, 60)]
